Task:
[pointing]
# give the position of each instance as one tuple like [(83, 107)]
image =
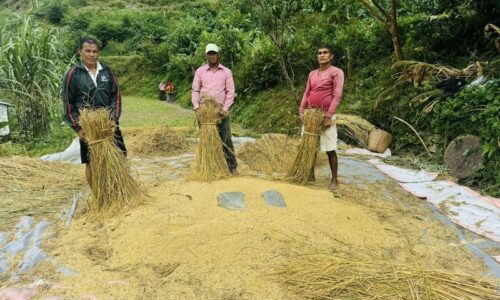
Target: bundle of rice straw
[(355, 127), (113, 185), (302, 170), (210, 163), (327, 277)]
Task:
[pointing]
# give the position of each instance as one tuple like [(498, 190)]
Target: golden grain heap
[(210, 163), (302, 169), (328, 277), (113, 185)]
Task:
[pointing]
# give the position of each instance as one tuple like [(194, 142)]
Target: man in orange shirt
[(170, 92)]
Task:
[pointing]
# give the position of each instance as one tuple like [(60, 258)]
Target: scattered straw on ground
[(183, 246), (272, 153), (114, 187), (210, 163), (32, 186), (331, 277), (163, 141)]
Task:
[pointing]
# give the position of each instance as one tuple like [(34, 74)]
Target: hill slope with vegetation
[(270, 46)]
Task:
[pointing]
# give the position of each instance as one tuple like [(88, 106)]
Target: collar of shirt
[(220, 66), (94, 77)]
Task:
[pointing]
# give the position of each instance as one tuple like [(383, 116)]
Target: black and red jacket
[(80, 91)]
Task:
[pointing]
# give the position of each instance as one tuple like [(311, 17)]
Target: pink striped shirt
[(218, 84), (323, 90)]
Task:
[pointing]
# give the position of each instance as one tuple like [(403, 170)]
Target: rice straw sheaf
[(355, 127), (302, 170), (327, 277), (114, 187), (210, 163), (156, 141)]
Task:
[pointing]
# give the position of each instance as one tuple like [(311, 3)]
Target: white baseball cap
[(211, 47)]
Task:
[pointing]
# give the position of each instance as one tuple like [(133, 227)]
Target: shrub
[(55, 12)]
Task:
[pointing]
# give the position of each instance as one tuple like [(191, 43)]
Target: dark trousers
[(170, 97), (225, 135), (163, 96)]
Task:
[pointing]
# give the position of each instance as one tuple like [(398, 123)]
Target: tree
[(389, 20), (274, 18)]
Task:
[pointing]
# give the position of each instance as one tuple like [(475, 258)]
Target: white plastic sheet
[(361, 151), (70, 155), (403, 175), (463, 206)]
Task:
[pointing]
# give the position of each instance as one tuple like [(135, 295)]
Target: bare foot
[(334, 185)]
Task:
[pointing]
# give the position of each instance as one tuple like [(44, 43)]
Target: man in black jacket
[(91, 84)]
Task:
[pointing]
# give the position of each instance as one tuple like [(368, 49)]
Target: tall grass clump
[(32, 63)]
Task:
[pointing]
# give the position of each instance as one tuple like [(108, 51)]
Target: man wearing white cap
[(215, 80)]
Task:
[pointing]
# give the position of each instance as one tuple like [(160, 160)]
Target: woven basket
[(379, 140)]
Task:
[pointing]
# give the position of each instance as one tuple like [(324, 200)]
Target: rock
[(274, 198), (231, 200)]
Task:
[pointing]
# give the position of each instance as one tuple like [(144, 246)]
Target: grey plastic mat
[(231, 200), (274, 198)]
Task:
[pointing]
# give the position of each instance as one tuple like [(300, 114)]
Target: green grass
[(141, 111)]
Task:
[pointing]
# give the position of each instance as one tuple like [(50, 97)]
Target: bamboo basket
[(379, 140)]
